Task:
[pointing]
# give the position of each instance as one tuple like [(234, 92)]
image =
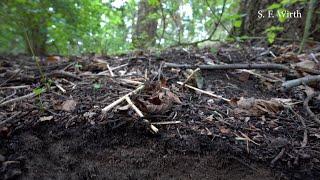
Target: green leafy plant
[(272, 33)]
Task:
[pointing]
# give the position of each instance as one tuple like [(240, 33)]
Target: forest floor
[(245, 124)]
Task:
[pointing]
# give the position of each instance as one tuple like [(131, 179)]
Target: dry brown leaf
[(257, 107), (244, 76), (174, 97), (69, 105), (306, 64), (53, 59), (287, 57)]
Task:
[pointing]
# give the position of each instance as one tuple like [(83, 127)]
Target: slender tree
[(146, 26)]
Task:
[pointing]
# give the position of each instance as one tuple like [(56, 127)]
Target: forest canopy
[(112, 26)]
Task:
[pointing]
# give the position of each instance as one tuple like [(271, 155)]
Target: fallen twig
[(110, 71), (307, 108), (190, 76), (205, 92), (296, 82), (118, 67), (137, 110), (110, 106), (15, 87), (10, 118), (166, 122), (229, 66), (31, 95)]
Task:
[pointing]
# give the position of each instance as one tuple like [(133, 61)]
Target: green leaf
[(38, 91), (271, 37), (274, 6), (96, 86), (237, 23), (282, 17)]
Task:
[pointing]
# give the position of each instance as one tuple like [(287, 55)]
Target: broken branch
[(118, 101), (137, 110), (296, 82), (205, 92), (229, 66)]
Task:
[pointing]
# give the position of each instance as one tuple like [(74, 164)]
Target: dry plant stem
[(15, 87), (110, 71), (137, 110), (205, 92), (307, 108), (296, 82), (118, 101), (166, 122), (129, 81), (118, 67), (190, 76), (9, 119), (230, 66), (31, 95)]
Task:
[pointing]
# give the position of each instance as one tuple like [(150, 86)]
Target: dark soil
[(83, 143)]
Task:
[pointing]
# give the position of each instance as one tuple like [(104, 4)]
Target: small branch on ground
[(137, 110), (118, 101), (296, 82), (190, 76), (204, 92), (270, 66), (31, 95)]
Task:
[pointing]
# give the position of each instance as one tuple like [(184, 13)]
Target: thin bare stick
[(205, 92), (118, 101), (31, 95), (137, 110), (60, 87), (15, 87), (296, 82), (134, 107), (129, 81), (110, 70), (118, 67), (229, 66), (10, 118), (166, 122), (190, 76)]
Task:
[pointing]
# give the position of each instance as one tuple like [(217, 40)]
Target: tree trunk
[(146, 26), (37, 37)]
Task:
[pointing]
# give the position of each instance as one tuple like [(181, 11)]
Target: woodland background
[(113, 26)]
